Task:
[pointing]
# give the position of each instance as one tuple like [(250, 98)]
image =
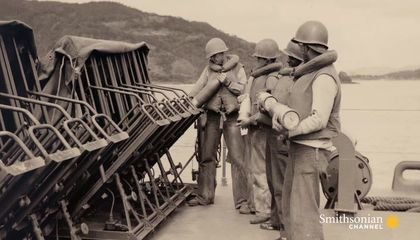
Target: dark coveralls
[(222, 114), (301, 196), (277, 152)]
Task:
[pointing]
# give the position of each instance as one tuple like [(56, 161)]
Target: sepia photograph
[(209, 120)]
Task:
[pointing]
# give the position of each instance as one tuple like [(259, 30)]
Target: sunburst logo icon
[(393, 222)]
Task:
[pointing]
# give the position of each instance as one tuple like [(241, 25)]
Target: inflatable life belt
[(270, 68), (267, 69), (212, 87), (245, 103), (232, 61), (323, 60)]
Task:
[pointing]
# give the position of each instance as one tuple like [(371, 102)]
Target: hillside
[(398, 75), (177, 45)]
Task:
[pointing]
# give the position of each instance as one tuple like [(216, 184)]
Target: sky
[(383, 35)]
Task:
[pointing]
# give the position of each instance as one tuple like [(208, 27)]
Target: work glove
[(276, 120), (246, 122), (287, 71), (222, 78)]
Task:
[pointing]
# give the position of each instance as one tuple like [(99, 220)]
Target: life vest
[(224, 100), (300, 99), (280, 88), (260, 82)]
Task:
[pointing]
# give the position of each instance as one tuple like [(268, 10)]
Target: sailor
[(222, 112), (277, 147), (266, 54), (316, 96)]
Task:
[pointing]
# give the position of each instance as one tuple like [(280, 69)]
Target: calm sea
[(384, 117)]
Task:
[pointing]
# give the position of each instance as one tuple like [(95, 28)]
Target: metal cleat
[(399, 183)]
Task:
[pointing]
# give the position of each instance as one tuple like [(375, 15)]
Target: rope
[(374, 200), (393, 203), (384, 206), (111, 215)]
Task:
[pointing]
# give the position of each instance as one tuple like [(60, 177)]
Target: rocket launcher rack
[(86, 142), (170, 118)]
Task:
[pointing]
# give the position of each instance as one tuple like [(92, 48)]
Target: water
[(384, 117)]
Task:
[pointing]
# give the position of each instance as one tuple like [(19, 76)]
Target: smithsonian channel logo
[(363, 222)]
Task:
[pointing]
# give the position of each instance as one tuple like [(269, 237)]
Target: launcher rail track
[(81, 151)]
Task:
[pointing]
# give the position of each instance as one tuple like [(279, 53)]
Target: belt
[(211, 112), (223, 116), (260, 126)]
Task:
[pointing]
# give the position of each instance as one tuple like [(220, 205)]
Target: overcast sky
[(366, 33)]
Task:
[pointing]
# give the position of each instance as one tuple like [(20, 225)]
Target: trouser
[(250, 177), (207, 163), (262, 196), (301, 192), (276, 160)]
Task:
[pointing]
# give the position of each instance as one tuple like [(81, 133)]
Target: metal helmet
[(214, 46), (293, 50), (312, 32), (267, 48)]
